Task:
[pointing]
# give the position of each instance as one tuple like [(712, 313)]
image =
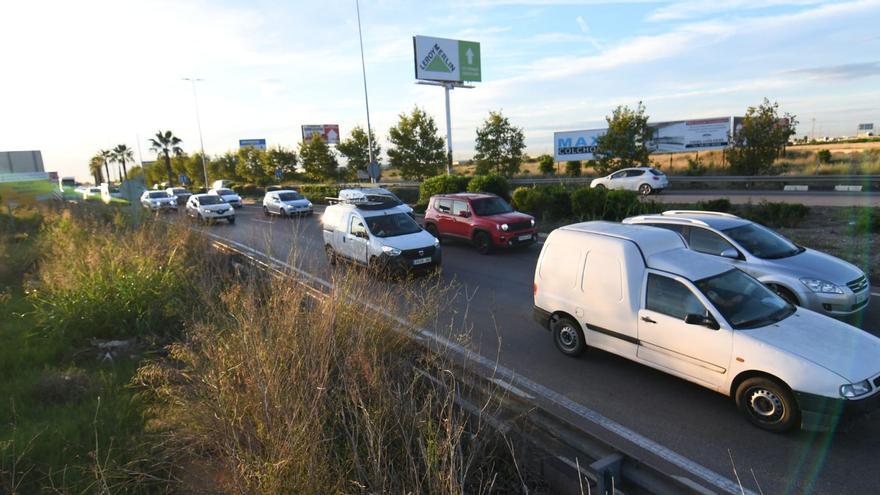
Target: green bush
[(588, 203), (721, 204), (318, 193), (867, 220), (600, 204), (776, 214), (573, 168), (824, 156), (408, 195), (251, 191), (490, 183), (545, 202), (546, 164), (442, 184)]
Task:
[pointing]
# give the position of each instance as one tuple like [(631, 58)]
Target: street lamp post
[(366, 98), (199, 124)]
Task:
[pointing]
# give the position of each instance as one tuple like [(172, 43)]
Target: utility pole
[(366, 97), (199, 124), (448, 86), (813, 130)]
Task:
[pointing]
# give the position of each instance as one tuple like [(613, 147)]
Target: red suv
[(484, 219)]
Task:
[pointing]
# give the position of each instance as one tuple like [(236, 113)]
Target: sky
[(85, 75)]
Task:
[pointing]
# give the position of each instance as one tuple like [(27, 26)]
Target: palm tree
[(95, 169), (166, 143), (121, 154), (106, 155)]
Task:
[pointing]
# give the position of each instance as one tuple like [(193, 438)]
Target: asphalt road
[(495, 301), (811, 198)]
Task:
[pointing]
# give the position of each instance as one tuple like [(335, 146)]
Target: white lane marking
[(584, 412), (261, 221), (875, 294)]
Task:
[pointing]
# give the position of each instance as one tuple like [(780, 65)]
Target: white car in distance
[(286, 202), (640, 293), (208, 207), (158, 201), (644, 180), (228, 195)]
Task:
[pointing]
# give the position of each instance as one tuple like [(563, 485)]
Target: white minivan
[(638, 292), (380, 236)]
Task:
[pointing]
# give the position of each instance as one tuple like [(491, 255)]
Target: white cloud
[(689, 9), (585, 28)]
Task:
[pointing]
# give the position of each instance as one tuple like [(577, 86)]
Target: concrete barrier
[(792, 187), (846, 188)]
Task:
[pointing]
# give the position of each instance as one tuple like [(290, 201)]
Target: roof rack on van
[(362, 204), (699, 212)]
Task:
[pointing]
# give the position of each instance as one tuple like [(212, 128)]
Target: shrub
[(720, 204), (824, 156), (519, 197), (251, 191), (546, 164), (621, 204), (600, 204), (777, 214), (408, 195), (695, 167), (491, 183), (441, 184), (588, 203), (545, 202), (867, 220), (573, 168), (318, 193)]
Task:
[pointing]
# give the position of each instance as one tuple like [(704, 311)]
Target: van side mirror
[(703, 320), (730, 253)]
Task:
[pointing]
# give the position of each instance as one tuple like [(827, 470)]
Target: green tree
[(356, 149), (499, 146), (283, 159), (625, 144), (95, 164), (318, 159), (573, 168), (153, 174), (251, 165), (418, 151), (824, 156), (106, 156), (224, 166), (546, 164), (136, 172), (760, 139), (165, 144), (122, 154)]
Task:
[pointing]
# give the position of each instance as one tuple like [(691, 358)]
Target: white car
[(375, 195), (158, 201), (228, 195), (644, 180), (91, 192), (385, 239), (208, 207), (286, 202), (640, 293), (181, 194)]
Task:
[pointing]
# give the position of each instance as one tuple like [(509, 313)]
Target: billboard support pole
[(448, 88)]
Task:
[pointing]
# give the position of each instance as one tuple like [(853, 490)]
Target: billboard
[(669, 137), (27, 188), (257, 144), (441, 59), (14, 162), (866, 127), (329, 133)]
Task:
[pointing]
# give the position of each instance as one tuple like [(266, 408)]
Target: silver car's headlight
[(852, 390), (821, 286), (309, 204), (505, 227), (391, 251)]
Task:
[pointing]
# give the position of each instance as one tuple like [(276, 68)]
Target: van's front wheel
[(568, 336), (767, 404)]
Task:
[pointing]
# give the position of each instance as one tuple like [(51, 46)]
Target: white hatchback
[(286, 202), (644, 180), (208, 207)]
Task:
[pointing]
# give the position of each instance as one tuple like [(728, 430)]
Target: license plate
[(421, 261), (525, 237)]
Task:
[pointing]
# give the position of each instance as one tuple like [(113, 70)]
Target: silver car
[(802, 276), (644, 180)]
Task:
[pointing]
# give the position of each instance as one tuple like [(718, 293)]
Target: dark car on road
[(485, 220)]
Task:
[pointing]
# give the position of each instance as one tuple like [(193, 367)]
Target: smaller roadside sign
[(257, 144), (329, 133)]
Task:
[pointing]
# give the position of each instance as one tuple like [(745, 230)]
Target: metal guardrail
[(569, 458)]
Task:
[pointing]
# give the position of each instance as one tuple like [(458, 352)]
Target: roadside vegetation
[(137, 359)]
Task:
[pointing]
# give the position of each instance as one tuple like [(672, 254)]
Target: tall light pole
[(193, 80), (366, 98)]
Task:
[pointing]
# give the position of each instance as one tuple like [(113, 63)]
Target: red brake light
[(534, 289)]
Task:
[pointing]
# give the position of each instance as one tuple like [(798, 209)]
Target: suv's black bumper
[(542, 317), (819, 413)]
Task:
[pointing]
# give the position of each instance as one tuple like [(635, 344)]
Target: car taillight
[(534, 289)]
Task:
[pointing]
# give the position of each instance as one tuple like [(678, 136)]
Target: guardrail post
[(607, 473)]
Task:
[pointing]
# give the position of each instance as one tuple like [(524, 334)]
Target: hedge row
[(450, 184), (557, 202)]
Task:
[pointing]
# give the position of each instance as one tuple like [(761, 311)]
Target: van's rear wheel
[(568, 336), (767, 404)]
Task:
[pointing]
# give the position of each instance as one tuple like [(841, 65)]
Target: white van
[(638, 292), (379, 236)]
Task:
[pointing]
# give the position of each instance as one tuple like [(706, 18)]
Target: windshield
[(392, 225), (291, 196), (158, 194), (743, 301), (763, 242), (383, 198), (490, 206), (210, 199)]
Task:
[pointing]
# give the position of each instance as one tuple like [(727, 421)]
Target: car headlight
[(505, 227), (309, 204), (821, 286), (436, 242), (391, 251), (533, 222), (851, 390)]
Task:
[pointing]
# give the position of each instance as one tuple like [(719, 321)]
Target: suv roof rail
[(699, 212)]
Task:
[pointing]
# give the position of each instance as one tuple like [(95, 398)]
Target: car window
[(656, 172), (444, 205), (459, 206), (356, 227), (634, 173), (679, 229), (672, 298), (618, 175), (705, 241)]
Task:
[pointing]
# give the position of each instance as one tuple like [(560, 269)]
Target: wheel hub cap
[(765, 404), (567, 337)]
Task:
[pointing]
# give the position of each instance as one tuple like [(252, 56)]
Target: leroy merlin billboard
[(441, 59)]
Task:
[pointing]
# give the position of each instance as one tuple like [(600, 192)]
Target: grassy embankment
[(228, 382)]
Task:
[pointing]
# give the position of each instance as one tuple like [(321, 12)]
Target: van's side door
[(357, 239), (690, 350)]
